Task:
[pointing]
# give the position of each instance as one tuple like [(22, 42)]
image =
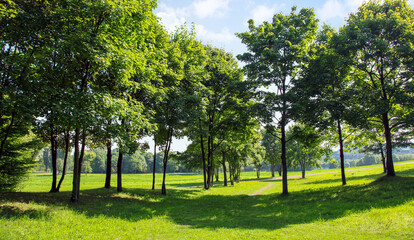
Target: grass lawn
[(371, 206)]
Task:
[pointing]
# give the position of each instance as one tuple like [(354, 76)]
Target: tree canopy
[(77, 76)]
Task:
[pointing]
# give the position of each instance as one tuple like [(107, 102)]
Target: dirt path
[(258, 192), (261, 190)]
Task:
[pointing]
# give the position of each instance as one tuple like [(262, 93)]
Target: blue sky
[(217, 21)]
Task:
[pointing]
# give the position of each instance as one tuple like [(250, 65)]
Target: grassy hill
[(371, 206)]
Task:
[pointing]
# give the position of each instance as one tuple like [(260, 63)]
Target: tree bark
[(388, 145), (82, 152), (217, 173), (154, 164), (382, 158), (67, 142), (165, 161), (209, 168), (78, 162), (283, 156), (272, 169), (341, 153), (212, 177), (108, 164), (203, 158), (231, 175), (119, 171), (303, 167), (75, 183), (53, 143), (279, 170), (163, 188), (224, 168)]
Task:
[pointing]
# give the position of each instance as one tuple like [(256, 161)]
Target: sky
[(217, 21)]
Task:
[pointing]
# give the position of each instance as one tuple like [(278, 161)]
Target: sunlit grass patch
[(370, 206)]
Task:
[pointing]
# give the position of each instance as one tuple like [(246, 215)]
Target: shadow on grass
[(349, 178), (190, 208), (11, 211)]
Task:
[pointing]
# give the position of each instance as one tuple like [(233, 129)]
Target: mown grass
[(371, 206)]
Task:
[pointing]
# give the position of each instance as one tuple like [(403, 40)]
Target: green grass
[(371, 206)]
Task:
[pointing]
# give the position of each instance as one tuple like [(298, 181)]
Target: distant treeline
[(95, 162), (143, 162)]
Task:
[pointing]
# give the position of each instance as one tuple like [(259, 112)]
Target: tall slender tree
[(184, 64), (275, 55), (217, 112), (323, 96)]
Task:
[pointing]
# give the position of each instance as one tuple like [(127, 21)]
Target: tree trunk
[(388, 145), (224, 168), (341, 153), (209, 168), (231, 175), (76, 166), (258, 172), (155, 161), (303, 167), (165, 161), (82, 153), (203, 158), (53, 144), (108, 164), (79, 160), (279, 170), (382, 158), (212, 177), (67, 141), (46, 158), (272, 169), (217, 174), (283, 156), (3, 141), (119, 171), (163, 188)]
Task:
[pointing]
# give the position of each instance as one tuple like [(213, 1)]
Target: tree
[(275, 55), (65, 142), (93, 42), (18, 23), (370, 141), (219, 111), (307, 147), (87, 161), (324, 96), (254, 153), (272, 155), (20, 151), (184, 63), (98, 163), (378, 42)]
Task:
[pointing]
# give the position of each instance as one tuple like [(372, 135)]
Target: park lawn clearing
[(371, 206)]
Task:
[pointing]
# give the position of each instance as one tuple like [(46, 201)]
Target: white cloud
[(332, 9), (223, 37), (262, 13), (172, 18), (354, 4), (210, 8)]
